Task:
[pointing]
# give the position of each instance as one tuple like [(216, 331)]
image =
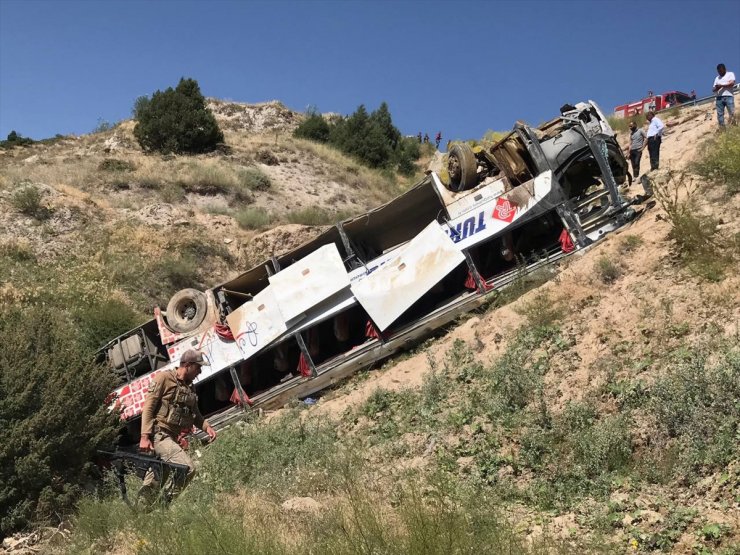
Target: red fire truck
[(653, 102)]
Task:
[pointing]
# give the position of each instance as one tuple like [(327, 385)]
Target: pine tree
[(176, 121)]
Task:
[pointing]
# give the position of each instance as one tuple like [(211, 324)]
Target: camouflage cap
[(190, 356)]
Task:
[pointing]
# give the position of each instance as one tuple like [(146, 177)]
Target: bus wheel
[(462, 167), (186, 310)]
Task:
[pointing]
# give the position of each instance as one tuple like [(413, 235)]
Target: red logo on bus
[(504, 210)]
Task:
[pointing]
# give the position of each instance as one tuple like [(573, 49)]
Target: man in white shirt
[(654, 136), (723, 89)]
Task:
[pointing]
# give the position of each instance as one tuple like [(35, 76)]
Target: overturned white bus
[(373, 284)]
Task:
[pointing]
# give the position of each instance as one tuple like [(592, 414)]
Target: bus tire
[(462, 167), (186, 310)]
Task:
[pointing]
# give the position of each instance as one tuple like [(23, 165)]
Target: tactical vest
[(178, 412)]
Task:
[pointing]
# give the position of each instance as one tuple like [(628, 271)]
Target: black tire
[(617, 163), (462, 167), (186, 310)]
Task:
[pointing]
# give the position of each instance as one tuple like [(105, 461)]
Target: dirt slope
[(614, 309), (102, 183), (653, 306)]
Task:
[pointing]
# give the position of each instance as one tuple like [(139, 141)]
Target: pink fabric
[(236, 400)]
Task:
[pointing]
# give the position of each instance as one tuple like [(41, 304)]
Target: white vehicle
[(375, 284)]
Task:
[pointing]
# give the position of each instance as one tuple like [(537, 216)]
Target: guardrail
[(700, 101), (697, 102)]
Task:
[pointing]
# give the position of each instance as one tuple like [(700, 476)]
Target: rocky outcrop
[(264, 117)]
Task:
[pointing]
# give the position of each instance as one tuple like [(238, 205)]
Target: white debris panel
[(257, 322), (414, 269), (308, 282)]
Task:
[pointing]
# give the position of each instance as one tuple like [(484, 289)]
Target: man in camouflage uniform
[(171, 407)]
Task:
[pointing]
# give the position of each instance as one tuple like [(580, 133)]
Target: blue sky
[(459, 67)]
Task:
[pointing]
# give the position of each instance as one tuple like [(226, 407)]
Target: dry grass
[(607, 270), (695, 235), (253, 217), (327, 178), (82, 173), (376, 186), (720, 160)]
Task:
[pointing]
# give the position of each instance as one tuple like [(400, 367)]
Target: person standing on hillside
[(638, 141), (723, 84), (171, 408), (654, 138)]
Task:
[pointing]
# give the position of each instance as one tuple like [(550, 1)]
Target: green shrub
[(99, 321), (14, 139), (523, 283), (53, 414), (177, 271), (27, 200), (176, 121), (407, 152), (515, 378), (313, 215), (205, 179), (606, 270), (720, 160), (272, 458), (603, 446), (253, 217), (629, 243), (370, 138), (102, 126), (171, 193), (432, 389), (149, 281), (140, 105), (390, 414), (16, 251), (379, 401), (541, 310), (430, 518), (267, 158), (313, 128), (575, 455), (694, 234), (254, 179), (218, 210), (116, 165), (695, 405)]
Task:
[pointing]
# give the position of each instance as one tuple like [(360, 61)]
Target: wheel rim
[(454, 169), (187, 310)]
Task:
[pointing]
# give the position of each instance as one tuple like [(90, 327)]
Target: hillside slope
[(101, 197), (627, 314), (594, 413)]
